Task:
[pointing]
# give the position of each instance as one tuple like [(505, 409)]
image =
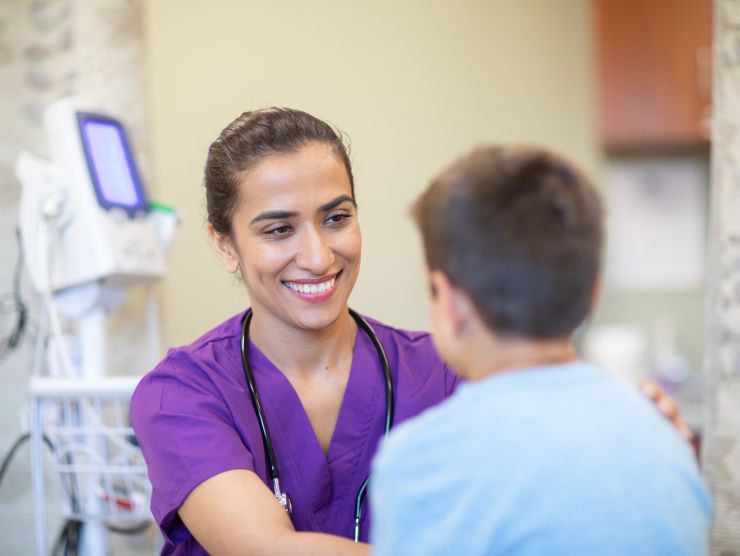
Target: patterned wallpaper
[(721, 454), (55, 48), (50, 49)]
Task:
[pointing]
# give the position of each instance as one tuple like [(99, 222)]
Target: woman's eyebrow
[(274, 215), (285, 214), (335, 202)]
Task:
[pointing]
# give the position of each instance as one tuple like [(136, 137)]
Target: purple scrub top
[(193, 419)]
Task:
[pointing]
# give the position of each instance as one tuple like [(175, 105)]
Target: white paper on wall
[(656, 223)]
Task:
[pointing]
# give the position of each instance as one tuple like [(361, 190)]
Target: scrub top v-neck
[(323, 486), (194, 419)]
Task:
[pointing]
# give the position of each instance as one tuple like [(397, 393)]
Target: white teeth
[(312, 288)]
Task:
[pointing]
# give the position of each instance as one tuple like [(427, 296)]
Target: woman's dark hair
[(520, 230), (248, 140)]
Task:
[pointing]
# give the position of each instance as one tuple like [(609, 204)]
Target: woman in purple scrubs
[(282, 214)]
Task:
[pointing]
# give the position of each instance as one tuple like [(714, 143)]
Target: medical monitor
[(110, 162)]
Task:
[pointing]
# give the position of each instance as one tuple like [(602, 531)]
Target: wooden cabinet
[(654, 72)]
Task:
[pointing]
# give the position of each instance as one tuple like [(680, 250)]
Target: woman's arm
[(234, 513)]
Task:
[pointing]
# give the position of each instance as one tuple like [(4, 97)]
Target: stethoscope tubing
[(256, 402), (272, 465), (389, 405)]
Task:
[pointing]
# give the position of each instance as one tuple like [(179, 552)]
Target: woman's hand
[(667, 406)]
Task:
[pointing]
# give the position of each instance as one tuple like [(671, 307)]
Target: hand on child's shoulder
[(668, 407)]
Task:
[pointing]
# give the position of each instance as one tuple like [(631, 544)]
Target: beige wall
[(413, 84)]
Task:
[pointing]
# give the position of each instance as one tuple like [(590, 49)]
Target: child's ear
[(225, 249), (453, 304), (595, 294)]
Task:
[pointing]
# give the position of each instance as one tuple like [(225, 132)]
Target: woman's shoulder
[(229, 331), (414, 345), (402, 336), (204, 363), (409, 348), (224, 336), (418, 370)]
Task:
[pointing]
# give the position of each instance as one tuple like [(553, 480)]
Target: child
[(539, 453)]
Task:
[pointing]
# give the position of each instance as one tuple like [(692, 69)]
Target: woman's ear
[(225, 249)]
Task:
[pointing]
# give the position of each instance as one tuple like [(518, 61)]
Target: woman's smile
[(313, 290)]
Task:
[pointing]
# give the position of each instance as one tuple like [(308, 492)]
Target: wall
[(412, 83)]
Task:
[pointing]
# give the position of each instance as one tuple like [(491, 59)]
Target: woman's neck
[(298, 350)]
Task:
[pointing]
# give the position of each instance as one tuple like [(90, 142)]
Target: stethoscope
[(281, 495)]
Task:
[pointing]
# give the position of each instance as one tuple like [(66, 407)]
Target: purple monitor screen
[(110, 163)]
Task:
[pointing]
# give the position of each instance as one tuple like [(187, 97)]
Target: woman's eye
[(337, 218), (278, 231)]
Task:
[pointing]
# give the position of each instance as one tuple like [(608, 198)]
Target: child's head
[(517, 230)]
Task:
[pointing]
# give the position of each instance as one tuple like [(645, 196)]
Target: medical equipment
[(89, 233), (282, 497), (100, 475), (91, 197)]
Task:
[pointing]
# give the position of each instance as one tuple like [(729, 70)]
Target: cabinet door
[(654, 72)]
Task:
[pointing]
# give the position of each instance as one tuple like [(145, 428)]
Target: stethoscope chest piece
[(282, 496)]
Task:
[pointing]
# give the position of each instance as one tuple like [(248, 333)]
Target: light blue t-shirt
[(561, 460)]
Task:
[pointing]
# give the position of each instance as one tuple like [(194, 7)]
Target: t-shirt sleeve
[(407, 502), (388, 515), (187, 435)]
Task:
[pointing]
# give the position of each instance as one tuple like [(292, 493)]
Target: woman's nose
[(315, 253)]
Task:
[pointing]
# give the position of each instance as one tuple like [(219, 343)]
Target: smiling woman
[(282, 212), (296, 240)]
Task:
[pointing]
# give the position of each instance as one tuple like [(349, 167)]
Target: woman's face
[(296, 238)]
